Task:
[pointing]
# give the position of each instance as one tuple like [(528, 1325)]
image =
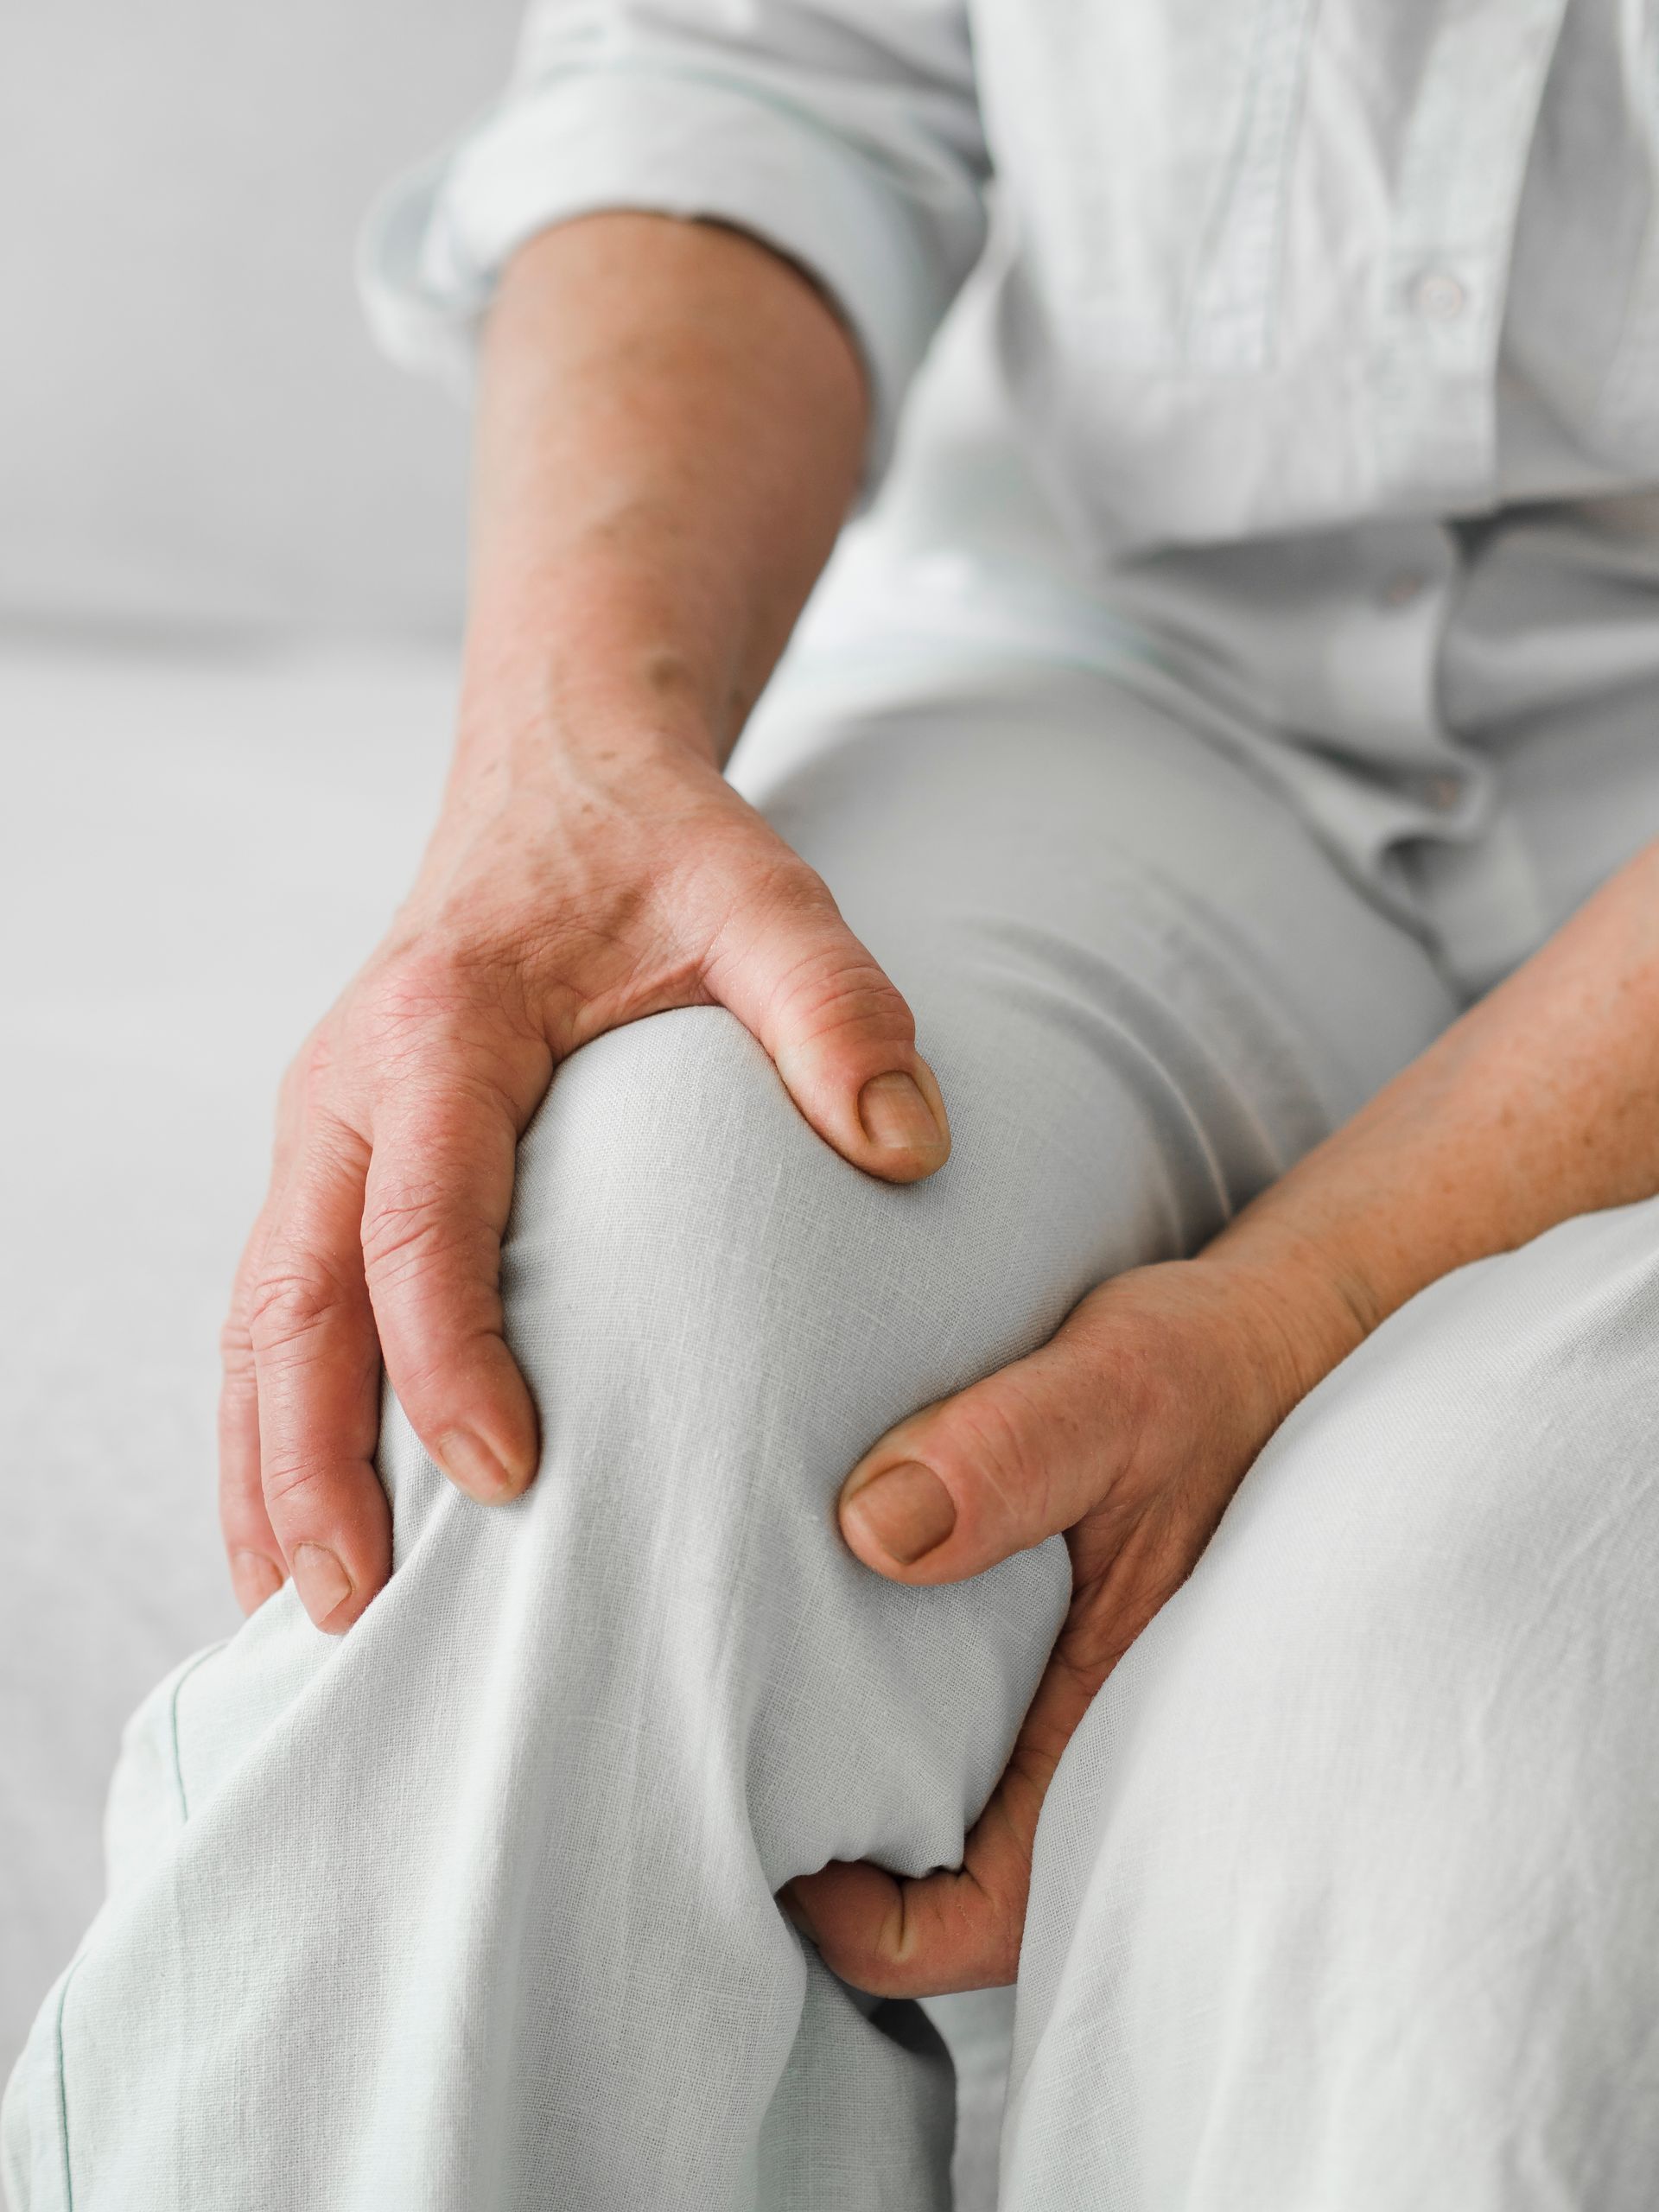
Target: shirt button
[(1402, 589), (1439, 296)]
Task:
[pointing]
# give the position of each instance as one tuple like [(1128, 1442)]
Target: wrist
[(572, 698), (545, 812), (1301, 1308), (540, 701), (630, 632)]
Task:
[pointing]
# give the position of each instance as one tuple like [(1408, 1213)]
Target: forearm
[(1543, 1102), (670, 426)]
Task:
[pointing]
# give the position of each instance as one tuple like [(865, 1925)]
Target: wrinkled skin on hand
[(609, 884), (1129, 1431)]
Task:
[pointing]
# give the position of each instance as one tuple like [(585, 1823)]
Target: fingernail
[(897, 1115), (796, 1913), (254, 1577), (471, 1466), (906, 1510), (321, 1581)]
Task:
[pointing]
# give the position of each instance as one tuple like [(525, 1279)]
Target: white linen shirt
[(1277, 265), (1330, 327)]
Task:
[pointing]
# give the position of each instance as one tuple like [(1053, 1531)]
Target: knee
[(669, 1181), (705, 1298), (681, 1238), (667, 1274), (716, 1315)]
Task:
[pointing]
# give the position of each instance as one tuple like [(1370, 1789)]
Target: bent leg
[(1345, 1891), (475, 1905)]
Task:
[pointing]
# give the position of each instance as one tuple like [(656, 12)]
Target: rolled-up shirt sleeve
[(845, 134)]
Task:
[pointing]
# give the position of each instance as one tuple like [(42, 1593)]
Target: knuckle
[(1004, 1448), (310, 1082), (830, 993), (794, 895), (875, 1971), (784, 919), (457, 1029), (867, 1957), (285, 1477), (432, 989), (423, 983), (987, 1436), (416, 1232), (236, 1352), (290, 1306)]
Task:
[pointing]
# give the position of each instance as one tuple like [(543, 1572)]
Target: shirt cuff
[(671, 142)]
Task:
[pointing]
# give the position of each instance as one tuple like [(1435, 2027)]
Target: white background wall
[(195, 430)]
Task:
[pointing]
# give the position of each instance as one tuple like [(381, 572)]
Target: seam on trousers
[(63, 2094), (173, 1726), (63, 1993)]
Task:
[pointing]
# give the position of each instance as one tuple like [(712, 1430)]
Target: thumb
[(839, 1035), (1019, 1457)]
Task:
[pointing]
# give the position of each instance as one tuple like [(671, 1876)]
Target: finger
[(439, 1189), (1011, 1461), (962, 1928), (317, 1371), (257, 1567), (958, 1929), (839, 1035)]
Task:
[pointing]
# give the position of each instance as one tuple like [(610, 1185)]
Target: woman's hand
[(670, 430), (1129, 1433), (1131, 1430), (610, 886)]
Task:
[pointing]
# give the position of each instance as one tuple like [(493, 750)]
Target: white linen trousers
[(1345, 1898)]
